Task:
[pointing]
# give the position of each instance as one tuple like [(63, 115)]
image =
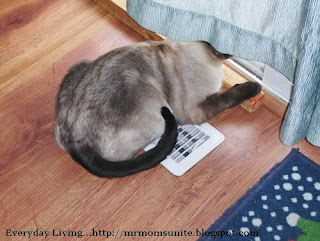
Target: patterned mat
[(284, 205)]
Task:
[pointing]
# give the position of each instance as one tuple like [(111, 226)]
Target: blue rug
[(283, 205)]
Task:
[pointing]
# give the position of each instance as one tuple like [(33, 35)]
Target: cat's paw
[(249, 89)]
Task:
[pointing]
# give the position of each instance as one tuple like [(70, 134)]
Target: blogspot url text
[(126, 233)]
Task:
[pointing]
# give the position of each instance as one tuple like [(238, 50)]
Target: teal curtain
[(283, 34)]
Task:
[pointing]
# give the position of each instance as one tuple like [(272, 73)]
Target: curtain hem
[(183, 25)]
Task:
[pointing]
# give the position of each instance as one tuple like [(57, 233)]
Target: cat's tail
[(98, 166)]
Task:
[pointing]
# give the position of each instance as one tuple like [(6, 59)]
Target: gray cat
[(109, 109)]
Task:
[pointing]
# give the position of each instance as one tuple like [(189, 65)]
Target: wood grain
[(118, 9), (41, 187)]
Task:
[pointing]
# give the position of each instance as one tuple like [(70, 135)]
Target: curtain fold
[(303, 115), (283, 34)]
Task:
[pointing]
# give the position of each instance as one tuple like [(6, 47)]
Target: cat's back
[(108, 90), (102, 103)]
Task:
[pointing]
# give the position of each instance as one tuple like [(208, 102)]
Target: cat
[(109, 109)]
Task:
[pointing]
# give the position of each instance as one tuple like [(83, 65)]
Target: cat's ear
[(222, 56), (219, 55)]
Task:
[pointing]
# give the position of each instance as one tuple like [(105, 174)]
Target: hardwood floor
[(41, 187)]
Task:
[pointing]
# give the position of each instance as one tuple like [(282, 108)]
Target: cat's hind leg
[(224, 99)]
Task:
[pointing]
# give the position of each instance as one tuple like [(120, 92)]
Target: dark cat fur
[(110, 108)]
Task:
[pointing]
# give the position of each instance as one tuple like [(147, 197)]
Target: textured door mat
[(283, 205)]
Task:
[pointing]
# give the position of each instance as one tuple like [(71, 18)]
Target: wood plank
[(121, 3), (41, 187), (117, 8)]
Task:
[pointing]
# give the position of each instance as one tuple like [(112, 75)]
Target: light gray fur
[(113, 103)]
